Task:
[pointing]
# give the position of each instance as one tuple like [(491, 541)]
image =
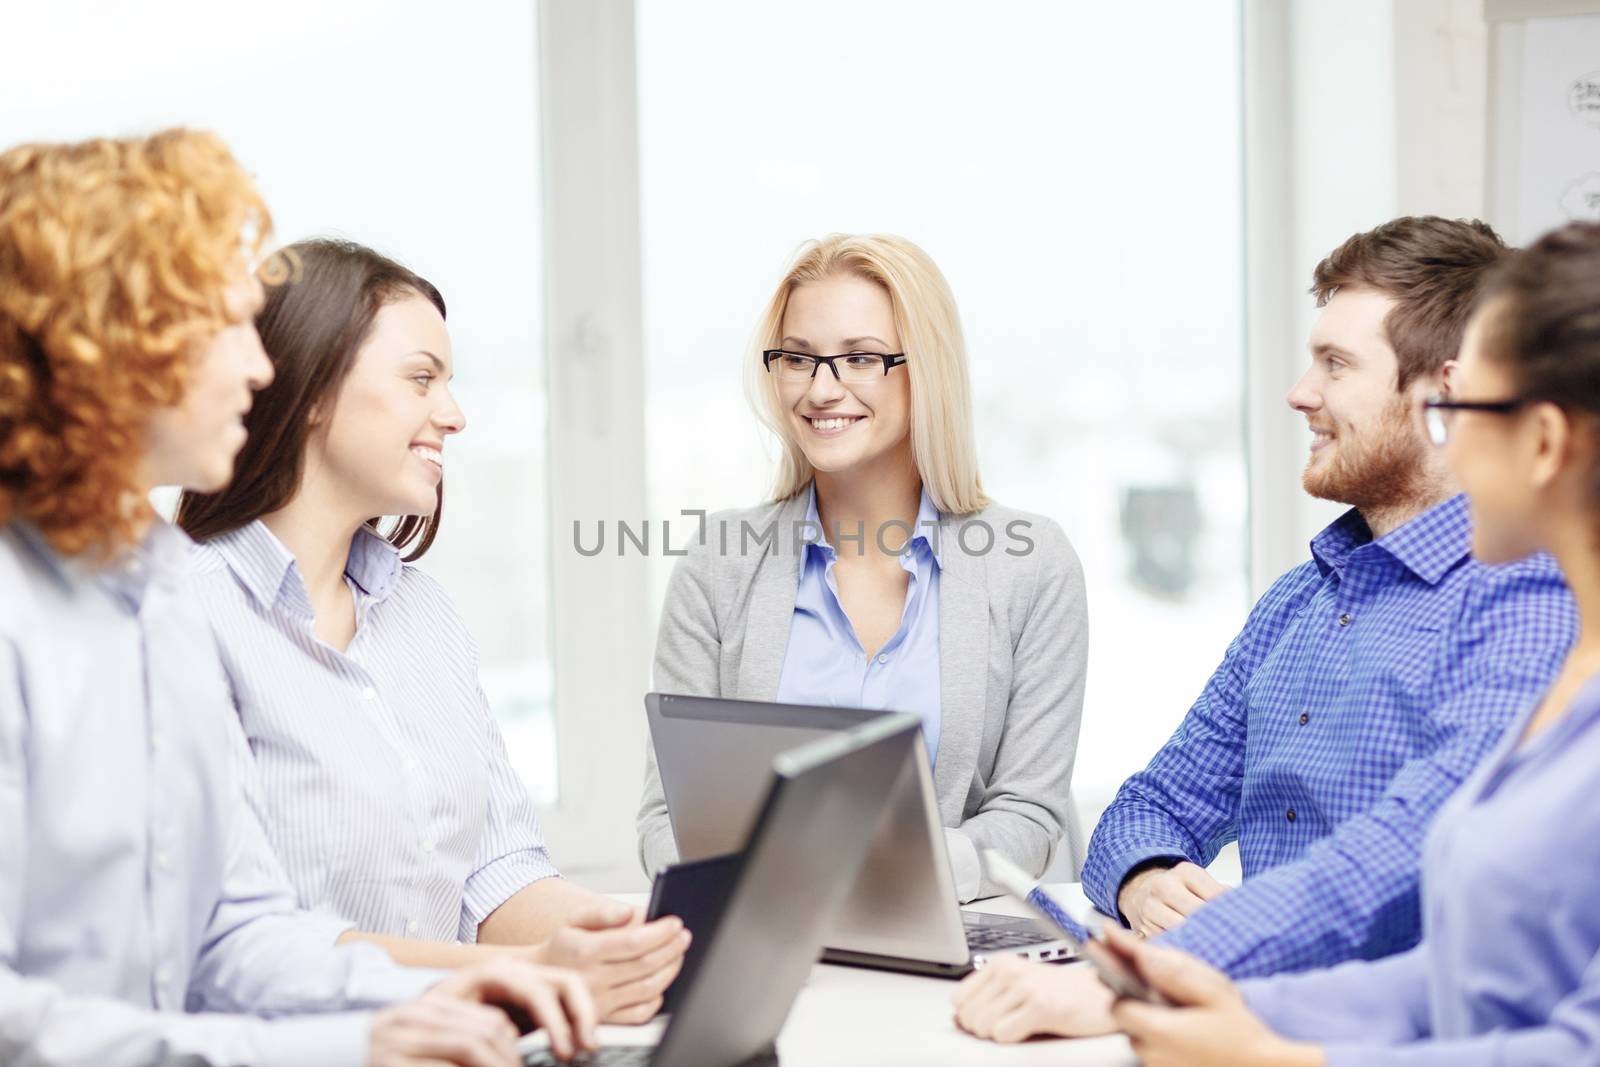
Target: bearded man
[(1365, 685)]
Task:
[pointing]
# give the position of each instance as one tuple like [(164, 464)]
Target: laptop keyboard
[(615, 1056), (988, 934), (991, 939), (624, 1056)]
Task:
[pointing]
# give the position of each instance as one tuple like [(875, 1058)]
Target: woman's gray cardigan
[(1013, 645)]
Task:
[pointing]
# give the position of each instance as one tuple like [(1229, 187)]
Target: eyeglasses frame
[(1443, 403), (889, 360)]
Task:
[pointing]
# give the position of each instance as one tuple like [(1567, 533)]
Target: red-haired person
[(143, 917)]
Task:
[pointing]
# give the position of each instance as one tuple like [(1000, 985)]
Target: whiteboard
[(1544, 144)]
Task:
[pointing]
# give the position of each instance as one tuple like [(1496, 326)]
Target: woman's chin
[(422, 505), (834, 459), (413, 501)]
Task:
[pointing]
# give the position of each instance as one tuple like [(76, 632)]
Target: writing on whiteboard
[(1581, 200), (1584, 98)]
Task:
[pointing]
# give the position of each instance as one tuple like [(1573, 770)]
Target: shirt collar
[(927, 522), (161, 559), (263, 565), (1428, 545), (40, 546), (258, 560), (374, 563), (1433, 542), (1333, 545), (158, 559)]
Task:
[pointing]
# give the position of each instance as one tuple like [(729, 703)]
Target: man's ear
[(1447, 376)]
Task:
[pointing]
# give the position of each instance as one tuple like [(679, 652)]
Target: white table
[(854, 1017)]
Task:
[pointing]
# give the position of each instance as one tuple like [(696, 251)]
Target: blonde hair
[(943, 445), (114, 259)]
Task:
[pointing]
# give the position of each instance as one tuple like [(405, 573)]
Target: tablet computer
[(1114, 970)]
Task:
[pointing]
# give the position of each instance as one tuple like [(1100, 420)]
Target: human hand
[(626, 962), (1208, 1023), (1012, 999), (466, 1020), (1162, 898)]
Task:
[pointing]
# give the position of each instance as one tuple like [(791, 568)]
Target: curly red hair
[(114, 259)]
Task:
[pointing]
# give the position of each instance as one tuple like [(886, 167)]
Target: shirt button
[(163, 975), (1344, 620), (411, 926), (162, 862), (369, 693), (1289, 815), (1304, 718), (883, 659), (427, 846)]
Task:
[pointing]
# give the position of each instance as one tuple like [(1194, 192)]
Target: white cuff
[(964, 865), (491, 886), (381, 982), (342, 1039)]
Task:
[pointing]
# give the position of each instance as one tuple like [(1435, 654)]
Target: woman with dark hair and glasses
[(378, 770), (1508, 971)]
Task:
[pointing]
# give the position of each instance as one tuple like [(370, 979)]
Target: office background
[(1127, 198)]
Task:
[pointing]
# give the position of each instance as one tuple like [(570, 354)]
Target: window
[(1080, 185), (417, 135)]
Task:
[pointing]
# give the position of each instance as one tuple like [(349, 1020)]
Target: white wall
[(1441, 94), (1386, 117)]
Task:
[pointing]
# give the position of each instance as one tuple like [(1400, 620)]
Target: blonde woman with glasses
[(880, 575)]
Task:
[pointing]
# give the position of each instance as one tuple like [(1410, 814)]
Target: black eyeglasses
[(1436, 412), (854, 368)]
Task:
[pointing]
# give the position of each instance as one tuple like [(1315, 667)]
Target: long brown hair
[(311, 325)]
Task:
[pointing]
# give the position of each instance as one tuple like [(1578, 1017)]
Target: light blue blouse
[(1508, 971), (825, 663), (143, 917)]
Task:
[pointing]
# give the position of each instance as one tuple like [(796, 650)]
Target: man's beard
[(1384, 467)]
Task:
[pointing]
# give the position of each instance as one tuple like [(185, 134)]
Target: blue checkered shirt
[(1365, 686)]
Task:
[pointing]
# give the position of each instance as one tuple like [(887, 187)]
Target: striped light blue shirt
[(143, 918), (1364, 688), (825, 664), (378, 772)]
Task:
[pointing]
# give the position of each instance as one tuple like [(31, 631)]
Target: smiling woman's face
[(844, 428), (382, 444)]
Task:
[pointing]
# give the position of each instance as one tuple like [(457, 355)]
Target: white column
[(1320, 148), (603, 635)]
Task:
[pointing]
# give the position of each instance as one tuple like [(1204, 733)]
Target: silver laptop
[(714, 757), (811, 830)]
